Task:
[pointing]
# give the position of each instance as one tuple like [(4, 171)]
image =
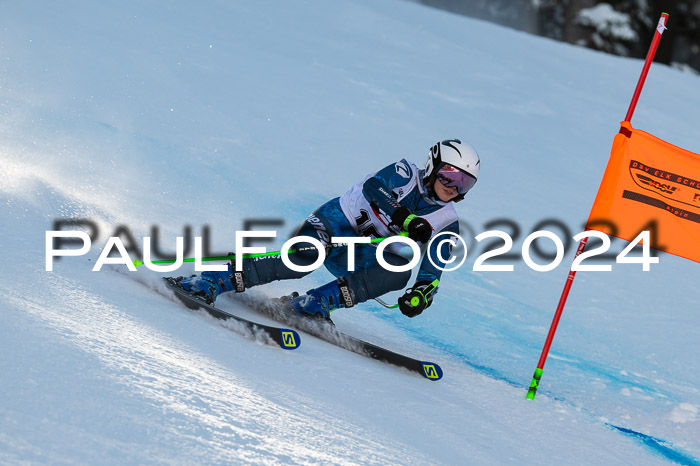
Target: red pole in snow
[(534, 384), (553, 328), (660, 28)]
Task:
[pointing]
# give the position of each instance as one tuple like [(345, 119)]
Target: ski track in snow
[(193, 391)]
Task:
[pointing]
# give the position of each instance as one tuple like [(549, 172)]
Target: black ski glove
[(418, 228), (418, 298)]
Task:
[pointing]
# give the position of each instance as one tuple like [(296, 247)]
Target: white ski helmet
[(457, 154)]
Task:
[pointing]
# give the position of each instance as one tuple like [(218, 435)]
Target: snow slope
[(158, 114)]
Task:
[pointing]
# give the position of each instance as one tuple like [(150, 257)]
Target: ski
[(287, 338), (429, 370), (327, 331)]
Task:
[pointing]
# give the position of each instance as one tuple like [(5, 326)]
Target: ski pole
[(385, 304), (232, 256)]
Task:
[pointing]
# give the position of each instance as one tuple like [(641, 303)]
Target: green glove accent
[(408, 220)]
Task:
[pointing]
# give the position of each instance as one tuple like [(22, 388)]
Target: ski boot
[(209, 285), (320, 302)]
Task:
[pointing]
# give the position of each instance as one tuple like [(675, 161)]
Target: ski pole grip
[(417, 300)]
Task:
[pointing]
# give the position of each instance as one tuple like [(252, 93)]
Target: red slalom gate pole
[(553, 328), (660, 28), (534, 384)]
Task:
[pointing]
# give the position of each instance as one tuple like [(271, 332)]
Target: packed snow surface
[(167, 119)]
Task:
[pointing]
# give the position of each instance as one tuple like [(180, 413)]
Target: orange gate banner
[(652, 185)]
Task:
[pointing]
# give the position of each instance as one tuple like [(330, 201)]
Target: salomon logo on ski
[(290, 339), (286, 338), (432, 371)]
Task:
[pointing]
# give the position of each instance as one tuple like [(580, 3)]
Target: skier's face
[(445, 193)]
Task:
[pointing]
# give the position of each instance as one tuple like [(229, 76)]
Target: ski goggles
[(455, 178)]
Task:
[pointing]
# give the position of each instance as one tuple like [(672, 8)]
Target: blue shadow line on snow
[(658, 446), (461, 356), (613, 376)]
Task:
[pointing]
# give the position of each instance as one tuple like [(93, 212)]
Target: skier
[(398, 198)]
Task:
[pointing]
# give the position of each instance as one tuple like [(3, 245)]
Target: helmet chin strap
[(426, 188), (432, 194)]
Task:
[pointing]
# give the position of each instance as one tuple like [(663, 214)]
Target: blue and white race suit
[(369, 205), (366, 210)]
